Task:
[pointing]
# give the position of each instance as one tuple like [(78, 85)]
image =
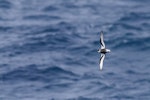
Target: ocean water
[(48, 49)]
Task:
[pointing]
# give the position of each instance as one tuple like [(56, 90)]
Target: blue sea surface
[(48, 49)]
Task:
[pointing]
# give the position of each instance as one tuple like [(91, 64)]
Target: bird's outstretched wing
[(102, 40), (101, 61)]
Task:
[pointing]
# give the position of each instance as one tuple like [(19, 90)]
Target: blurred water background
[(48, 49)]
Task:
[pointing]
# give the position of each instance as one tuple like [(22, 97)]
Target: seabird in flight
[(102, 50)]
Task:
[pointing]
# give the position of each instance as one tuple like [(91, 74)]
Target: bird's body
[(102, 50)]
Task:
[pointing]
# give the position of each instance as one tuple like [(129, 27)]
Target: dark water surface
[(48, 49)]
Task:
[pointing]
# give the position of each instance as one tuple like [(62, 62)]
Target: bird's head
[(98, 50)]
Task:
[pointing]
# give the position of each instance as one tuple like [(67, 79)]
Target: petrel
[(102, 50)]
